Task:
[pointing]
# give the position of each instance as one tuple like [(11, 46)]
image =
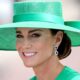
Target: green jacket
[(66, 74)]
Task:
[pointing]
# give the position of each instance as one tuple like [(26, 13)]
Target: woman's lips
[(29, 54)]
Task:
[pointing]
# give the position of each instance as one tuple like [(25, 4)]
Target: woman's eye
[(36, 35), (19, 36)]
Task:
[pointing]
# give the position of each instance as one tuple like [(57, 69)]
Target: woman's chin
[(29, 65)]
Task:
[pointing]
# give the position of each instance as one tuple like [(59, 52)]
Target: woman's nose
[(26, 44)]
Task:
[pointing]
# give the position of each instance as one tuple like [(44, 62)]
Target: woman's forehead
[(31, 29), (24, 28)]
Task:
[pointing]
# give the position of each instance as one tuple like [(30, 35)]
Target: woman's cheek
[(45, 46), (18, 45), (41, 46)]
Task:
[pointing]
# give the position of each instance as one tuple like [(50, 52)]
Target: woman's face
[(35, 46)]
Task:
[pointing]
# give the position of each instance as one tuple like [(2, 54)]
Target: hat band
[(42, 17)]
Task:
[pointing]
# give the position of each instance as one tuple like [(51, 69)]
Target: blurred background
[(11, 66)]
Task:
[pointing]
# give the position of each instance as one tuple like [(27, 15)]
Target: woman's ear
[(58, 38)]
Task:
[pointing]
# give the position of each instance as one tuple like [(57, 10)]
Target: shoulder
[(76, 77), (69, 74)]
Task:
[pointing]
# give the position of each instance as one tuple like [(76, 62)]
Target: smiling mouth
[(29, 54)]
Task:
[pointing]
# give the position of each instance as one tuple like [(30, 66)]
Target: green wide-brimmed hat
[(38, 14)]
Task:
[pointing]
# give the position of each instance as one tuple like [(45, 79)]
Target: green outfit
[(66, 74)]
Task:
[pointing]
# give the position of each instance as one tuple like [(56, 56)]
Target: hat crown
[(50, 7)]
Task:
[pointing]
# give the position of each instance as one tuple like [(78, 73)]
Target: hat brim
[(8, 35)]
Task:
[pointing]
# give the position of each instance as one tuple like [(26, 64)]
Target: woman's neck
[(48, 70)]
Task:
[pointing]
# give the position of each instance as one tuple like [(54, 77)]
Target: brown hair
[(64, 48)]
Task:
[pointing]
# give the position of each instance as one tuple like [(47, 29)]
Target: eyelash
[(36, 35), (19, 36)]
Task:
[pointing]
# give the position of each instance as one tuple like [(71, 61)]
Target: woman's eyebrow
[(34, 30), (19, 32)]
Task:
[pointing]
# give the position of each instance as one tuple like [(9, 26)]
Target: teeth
[(29, 54)]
